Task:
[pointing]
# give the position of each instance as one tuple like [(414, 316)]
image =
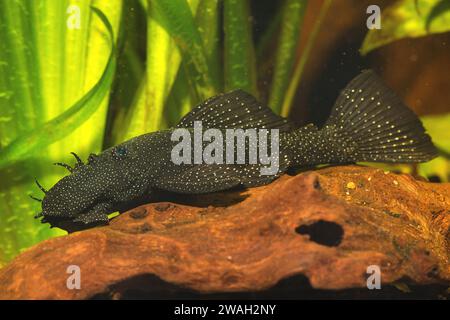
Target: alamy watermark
[(374, 278), (235, 142), (374, 20), (74, 17), (73, 282)]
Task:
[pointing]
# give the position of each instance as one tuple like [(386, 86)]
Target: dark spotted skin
[(99, 187), (368, 123), (129, 171)]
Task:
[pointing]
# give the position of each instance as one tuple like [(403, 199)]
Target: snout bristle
[(34, 198), (38, 215), (39, 185), (64, 165), (79, 161)]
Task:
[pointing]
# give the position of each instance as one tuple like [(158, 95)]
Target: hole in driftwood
[(434, 178), (323, 232)]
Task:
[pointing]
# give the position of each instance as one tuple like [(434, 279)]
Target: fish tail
[(370, 123)]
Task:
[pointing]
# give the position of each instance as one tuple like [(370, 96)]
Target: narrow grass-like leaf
[(207, 20), (438, 10), (51, 54), (292, 17), (56, 129), (299, 68), (163, 63), (239, 55), (268, 35), (130, 70), (437, 127), (182, 98), (163, 60), (177, 18), (407, 19)]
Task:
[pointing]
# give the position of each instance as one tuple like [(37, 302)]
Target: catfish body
[(367, 123)]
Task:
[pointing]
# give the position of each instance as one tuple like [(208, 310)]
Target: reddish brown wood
[(292, 226)]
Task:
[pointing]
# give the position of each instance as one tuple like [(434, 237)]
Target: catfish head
[(92, 191)]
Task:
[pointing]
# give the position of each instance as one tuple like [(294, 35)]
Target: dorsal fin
[(236, 109)]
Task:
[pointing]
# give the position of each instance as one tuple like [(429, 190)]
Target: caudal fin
[(372, 117)]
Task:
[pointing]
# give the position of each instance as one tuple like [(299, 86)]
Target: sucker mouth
[(67, 224)]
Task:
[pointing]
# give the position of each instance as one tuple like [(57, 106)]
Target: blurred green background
[(82, 75)]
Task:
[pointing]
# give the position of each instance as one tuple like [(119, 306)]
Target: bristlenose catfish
[(368, 123)]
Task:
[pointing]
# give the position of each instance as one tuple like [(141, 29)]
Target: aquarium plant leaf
[(438, 10), (51, 54), (300, 67), (163, 60), (239, 52), (292, 17), (269, 33), (181, 99), (405, 19), (59, 127), (437, 127), (130, 69), (207, 20), (163, 63), (177, 18)]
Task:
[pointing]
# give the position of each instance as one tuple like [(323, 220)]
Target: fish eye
[(120, 152), (92, 158)]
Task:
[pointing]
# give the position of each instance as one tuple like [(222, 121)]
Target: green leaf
[(178, 20), (239, 52), (300, 67), (51, 54), (292, 17), (438, 10), (182, 98), (64, 124), (269, 33), (437, 128), (208, 23), (130, 70), (407, 19), (163, 63)]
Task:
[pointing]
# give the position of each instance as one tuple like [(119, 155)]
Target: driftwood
[(316, 231)]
